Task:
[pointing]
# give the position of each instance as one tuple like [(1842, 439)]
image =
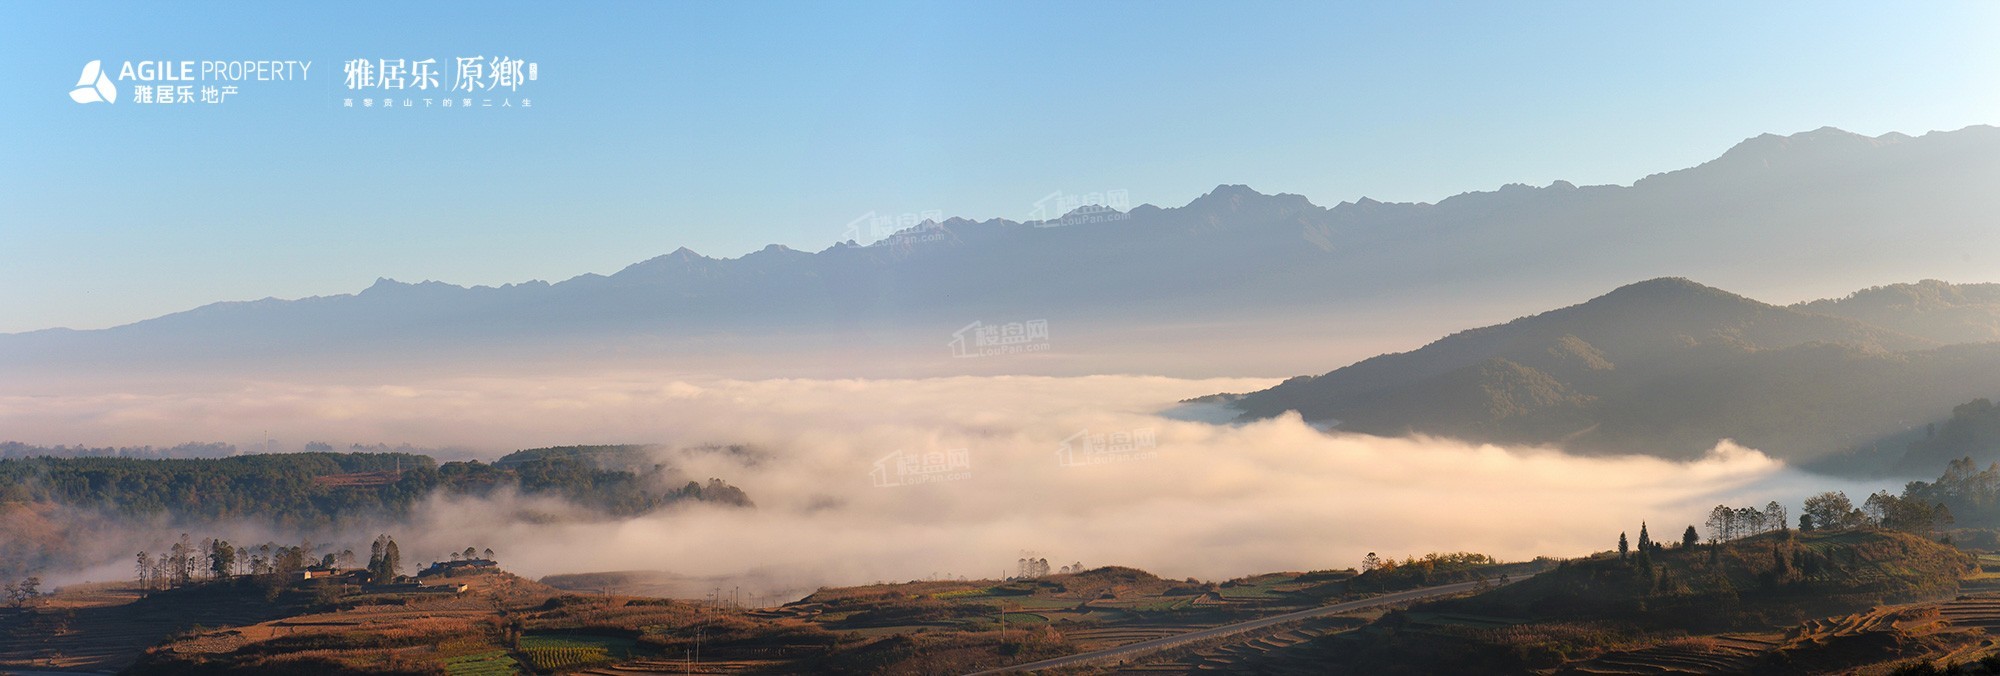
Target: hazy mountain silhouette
[(1951, 313), (1665, 367), (1810, 214)]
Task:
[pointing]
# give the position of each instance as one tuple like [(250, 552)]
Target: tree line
[(319, 488), (188, 561), (1730, 523), (1831, 510)]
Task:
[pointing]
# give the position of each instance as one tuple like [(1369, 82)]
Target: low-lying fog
[(990, 477)]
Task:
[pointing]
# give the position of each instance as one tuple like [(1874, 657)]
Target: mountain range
[(1235, 282), (1667, 367)]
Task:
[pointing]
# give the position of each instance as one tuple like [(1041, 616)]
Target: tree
[(289, 560), (1370, 562), (1624, 549), (180, 562), (1805, 522), (1721, 522), (190, 559), (489, 554), (1775, 514), (471, 553), (1908, 514), (392, 560), (1690, 538), (376, 549), (26, 591), (1749, 521), (1645, 541), (145, 571), (221, 557), (1878, 508), (1830, 511)]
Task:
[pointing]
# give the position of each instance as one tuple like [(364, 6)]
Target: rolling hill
[(1949, 313), (1665, 367), (1646, 613)]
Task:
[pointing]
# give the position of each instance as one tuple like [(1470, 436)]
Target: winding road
[(1131, 650)]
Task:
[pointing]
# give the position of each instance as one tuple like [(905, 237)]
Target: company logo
[(94, 86)]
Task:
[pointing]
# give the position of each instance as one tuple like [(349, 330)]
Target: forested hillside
[(1947, 313), (1668, 367), (304, 489)]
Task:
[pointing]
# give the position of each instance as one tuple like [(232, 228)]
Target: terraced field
[(1287, 650), (1111, 637), (488, 663), (1707, 655), (1973, 611), (662, 667), (1734, 654), (109, 637)]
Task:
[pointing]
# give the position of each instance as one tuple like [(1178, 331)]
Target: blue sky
[(724, 127)]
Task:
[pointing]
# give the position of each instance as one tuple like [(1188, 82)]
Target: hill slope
[(1666, 367), (1949, 313), (1589, 607)]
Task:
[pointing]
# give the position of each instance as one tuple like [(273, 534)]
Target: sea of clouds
[(1168, 488)]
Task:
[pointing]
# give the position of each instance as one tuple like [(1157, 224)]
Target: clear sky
[(727, 126)]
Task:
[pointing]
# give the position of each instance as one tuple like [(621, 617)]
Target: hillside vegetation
[(1947, 313), (317, 488), (51, 504), (1665, 367), (1587, 607)]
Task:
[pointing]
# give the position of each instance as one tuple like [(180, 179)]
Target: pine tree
[(392, 559), (221, 557), (375, 555), (1690, 538), (1623, 548), (1645, 541)]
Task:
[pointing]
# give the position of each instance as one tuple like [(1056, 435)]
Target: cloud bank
[(1169, 494)]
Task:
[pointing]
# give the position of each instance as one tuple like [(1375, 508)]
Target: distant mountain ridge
[(1810, 208), (1665, 367), (1950, 313)]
